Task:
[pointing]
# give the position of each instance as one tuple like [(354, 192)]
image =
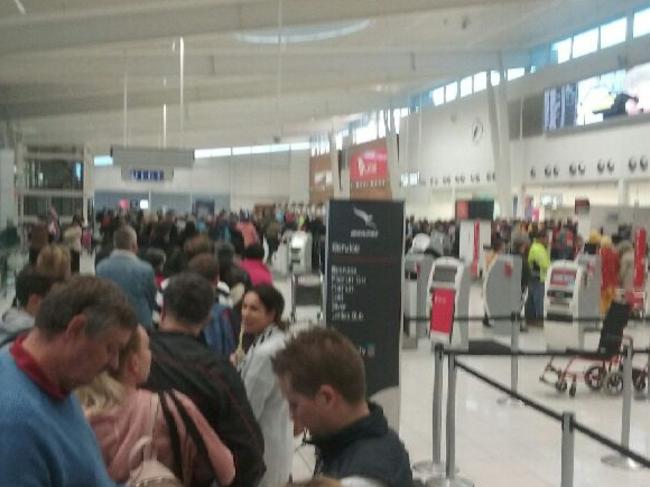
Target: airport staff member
[(322, 376), (539, 261), (80, 329)]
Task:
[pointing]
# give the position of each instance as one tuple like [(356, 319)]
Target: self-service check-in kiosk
[(417, 268), (572, 297), (502, 291), (300, 252), (449, 285), (280, 259)]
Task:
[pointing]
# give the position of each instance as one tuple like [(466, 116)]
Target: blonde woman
[(54, 262), (118, 412)]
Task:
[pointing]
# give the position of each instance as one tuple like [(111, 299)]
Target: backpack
[(219, 334), (150, 472)]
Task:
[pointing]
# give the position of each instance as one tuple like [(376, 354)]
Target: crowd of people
[(539, 244), (174, 361)]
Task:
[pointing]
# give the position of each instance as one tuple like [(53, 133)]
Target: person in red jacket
[(253, 264), (610, 271)]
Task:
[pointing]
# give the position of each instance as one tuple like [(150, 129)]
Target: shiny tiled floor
[(505, 446)]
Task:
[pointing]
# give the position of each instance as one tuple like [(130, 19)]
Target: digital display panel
[(617, 94), (444, 273)]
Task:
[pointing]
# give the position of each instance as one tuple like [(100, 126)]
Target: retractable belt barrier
[(437, 473)]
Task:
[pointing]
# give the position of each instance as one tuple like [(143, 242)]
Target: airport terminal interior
[(459, 187)]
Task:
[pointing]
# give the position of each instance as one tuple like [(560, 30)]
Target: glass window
[(438, 96), (451, 91), (108, 160), (300, 146), (480, 81), (495, 78), (642, 23), (260, 149), (240, 151), (466, 86), (514, 73), (585, 43), (561, 51), (279, 148), (613, 33), (205, 153)]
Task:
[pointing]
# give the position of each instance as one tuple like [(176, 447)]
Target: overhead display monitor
[(617, 94), (475, 209)]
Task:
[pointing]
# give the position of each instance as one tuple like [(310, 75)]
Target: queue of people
[(188, 369)]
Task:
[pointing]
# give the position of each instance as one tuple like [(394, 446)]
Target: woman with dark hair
[(262, 312), (253, 264)]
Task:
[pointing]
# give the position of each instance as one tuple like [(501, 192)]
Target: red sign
[(369, 165), (477, 240), (462, 210), (442, 311)]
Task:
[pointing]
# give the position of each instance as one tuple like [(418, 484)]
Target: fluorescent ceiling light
[(294, 35)]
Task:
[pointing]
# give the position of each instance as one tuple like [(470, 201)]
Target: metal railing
[(437, 473)]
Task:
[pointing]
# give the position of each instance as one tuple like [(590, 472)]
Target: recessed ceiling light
[(294, 35)]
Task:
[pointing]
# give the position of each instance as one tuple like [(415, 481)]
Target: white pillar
[(336, 170), (7, 189), (396, 191), (500, 137), (622, 192)]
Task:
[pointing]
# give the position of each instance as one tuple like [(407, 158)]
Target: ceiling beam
[(191, 18)]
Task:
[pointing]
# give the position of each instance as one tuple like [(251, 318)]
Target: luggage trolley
[(306, 290)]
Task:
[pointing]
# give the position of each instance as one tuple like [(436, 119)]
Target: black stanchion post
[(616, 460), (568, 436)]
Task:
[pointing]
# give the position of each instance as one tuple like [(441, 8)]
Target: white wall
[(248, 179), (438, 143)]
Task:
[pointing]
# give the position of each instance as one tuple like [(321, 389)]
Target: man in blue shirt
[(79, 331), (134, 276)]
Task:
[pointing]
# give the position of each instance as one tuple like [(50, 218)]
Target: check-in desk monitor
[(300, 252), (572, 294), (449, 285), (417, 267)]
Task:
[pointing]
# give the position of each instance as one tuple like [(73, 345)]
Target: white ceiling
[(63, 63)]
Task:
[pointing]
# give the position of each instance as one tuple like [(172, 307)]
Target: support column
[(623, 193), (500, 135), (336, 170), (7, 190)]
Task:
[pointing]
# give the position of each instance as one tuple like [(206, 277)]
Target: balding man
[(134, 276)]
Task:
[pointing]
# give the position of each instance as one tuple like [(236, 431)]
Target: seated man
[(31, 288), (79, 331), (182, 362), (322, 376)]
